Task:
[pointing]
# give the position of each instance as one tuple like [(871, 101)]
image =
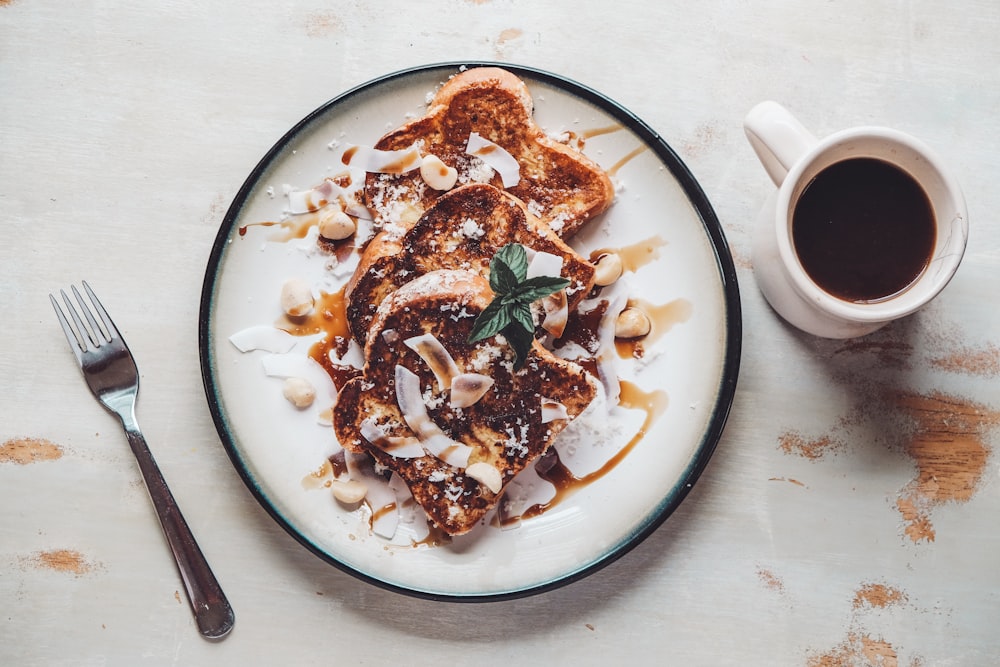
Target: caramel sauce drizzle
[(319, 478), (377, 514), (635, 152), (654, 403), (342, 249), (338, 463), (436, 537), (333, 467), (580, 138), (296, 227), (404, 164), (329, 316), (662, 318), (636, 255), (598, 131), (349, 154)]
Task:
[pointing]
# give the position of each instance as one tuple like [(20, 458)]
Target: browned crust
[(566, 187), (436, 241), (504, 427)]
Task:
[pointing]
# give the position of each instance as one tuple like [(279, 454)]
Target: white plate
[(275, 447)]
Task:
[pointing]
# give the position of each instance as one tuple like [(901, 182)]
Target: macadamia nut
[(336, 225), (299, 392), (437, 174), (608, 269), (486, 475), (349, 492), (632, 323), (296, 297)]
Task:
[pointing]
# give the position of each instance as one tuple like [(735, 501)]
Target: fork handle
[(212, 611)]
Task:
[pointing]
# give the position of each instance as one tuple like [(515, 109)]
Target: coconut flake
[(308, 201), (412, 518), (468, 388), (383, 162), (300, 366), (408, 395), (544, 264), (350, 197), (552, 410), (436, 357), (556, 305), (380, 498), (288, 365), (398, 447), (411, 404), (524, 491), (496, 157), (556, 308), (263, 337), (487, 475), (331, 193), (607, 354)]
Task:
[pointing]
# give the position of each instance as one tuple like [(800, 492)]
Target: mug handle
[(777, 137)]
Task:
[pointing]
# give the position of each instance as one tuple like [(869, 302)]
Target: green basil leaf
[(521, 314), (520, 340), (510, 310), (502, 279), (511, 298), (539, 287), (491, 321), (515, 257)]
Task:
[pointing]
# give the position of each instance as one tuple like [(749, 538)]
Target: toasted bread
[(461, 230), (503, 428), (559, 184)]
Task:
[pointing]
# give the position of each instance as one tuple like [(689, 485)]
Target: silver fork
[(111, 374)]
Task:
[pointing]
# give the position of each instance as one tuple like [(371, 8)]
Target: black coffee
[(863, 230)]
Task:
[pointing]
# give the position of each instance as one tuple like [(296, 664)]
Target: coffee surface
[(863, 230)]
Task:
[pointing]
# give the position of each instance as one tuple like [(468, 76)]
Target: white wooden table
[(849, 515)]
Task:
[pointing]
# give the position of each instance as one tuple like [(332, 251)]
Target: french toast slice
[(558, 183), (463, 229), (506, 429)]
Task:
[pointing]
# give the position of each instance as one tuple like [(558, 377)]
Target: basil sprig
[(510, 311)]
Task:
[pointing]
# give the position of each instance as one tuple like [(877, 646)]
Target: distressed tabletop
[(850, 512)]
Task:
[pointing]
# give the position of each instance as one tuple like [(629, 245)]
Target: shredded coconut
[(515, 445), (393, 230), (472, 229), (476, 172), (485, 356), (460, 315), (432, 401), (559, 221)]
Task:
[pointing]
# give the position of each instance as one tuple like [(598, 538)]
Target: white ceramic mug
[(792, 157)]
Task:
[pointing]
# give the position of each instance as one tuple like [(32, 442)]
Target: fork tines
[(82, 334)]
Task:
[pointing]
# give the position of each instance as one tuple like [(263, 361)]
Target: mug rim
[(897, 305)]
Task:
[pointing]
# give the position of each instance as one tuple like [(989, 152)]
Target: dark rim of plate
[(727, 274)]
